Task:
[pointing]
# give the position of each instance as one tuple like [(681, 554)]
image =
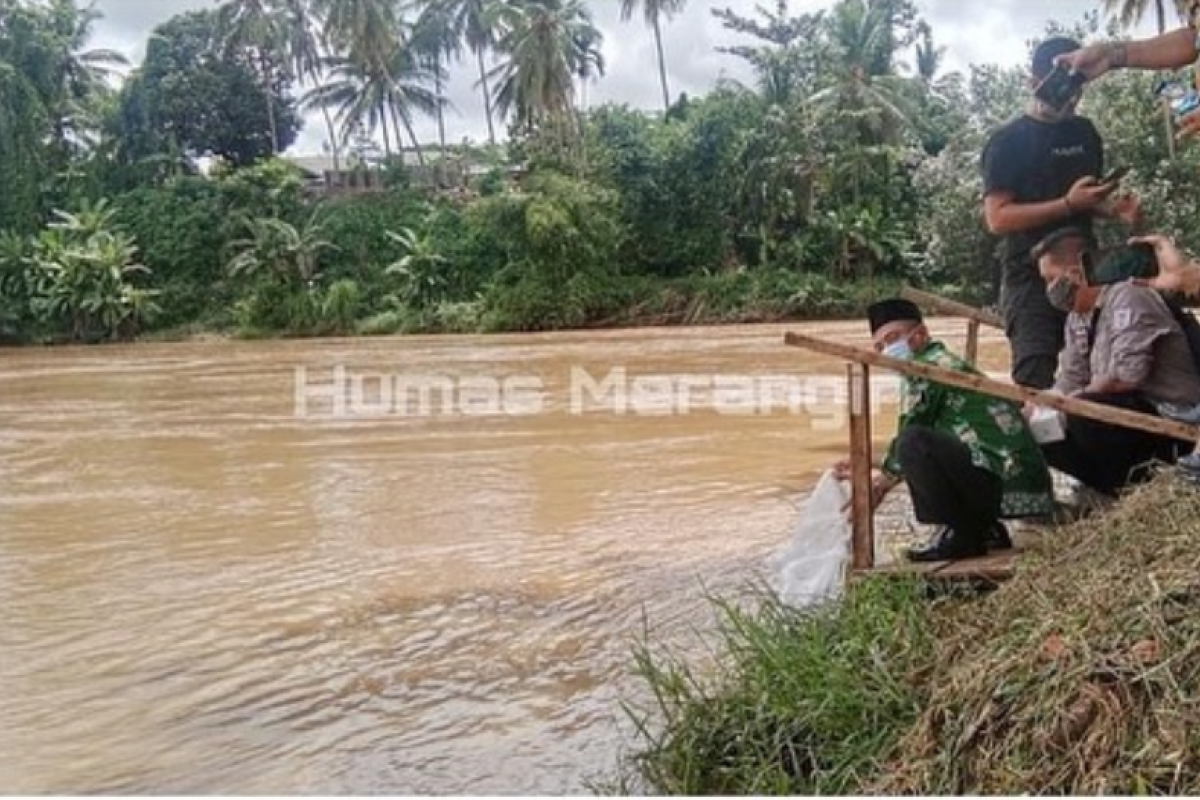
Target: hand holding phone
[(1119, 264), (1115, 177), (1059, 87)]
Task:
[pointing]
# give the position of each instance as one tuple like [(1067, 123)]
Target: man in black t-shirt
[(1042, 171)]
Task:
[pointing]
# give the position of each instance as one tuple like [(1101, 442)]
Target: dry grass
[(1081, 675)]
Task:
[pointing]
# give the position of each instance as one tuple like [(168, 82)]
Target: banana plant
[(422, 269)]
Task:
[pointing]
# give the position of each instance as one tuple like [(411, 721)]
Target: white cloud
[(972, 32)]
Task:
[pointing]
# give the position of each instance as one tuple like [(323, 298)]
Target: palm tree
[(1129, 13), (258, 27), (866, 86), (590, 58), (304, 47), (929, 57), (545, 43), (80, 75), (474, 22), (376, 96), (364, 30), (435, 40), (654, 11)]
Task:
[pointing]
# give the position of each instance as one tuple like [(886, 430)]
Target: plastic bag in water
[(811, 568)]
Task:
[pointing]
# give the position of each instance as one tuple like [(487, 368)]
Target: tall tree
[(544, 43), (380, 96), (654, 11), (1128, 13), (304, 46), (474, 21), (437, 42), (195, 96), (787, 58), (81, 75), (257, 27)]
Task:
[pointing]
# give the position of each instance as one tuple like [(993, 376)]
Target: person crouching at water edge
[(969, 460)]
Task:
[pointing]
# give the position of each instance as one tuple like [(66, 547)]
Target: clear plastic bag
[(811, 567)]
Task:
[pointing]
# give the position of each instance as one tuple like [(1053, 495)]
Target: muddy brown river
[(401, 566)]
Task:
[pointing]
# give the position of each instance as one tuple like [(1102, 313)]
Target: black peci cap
[(896, 308)]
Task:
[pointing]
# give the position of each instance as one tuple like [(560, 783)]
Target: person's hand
[(841, 470), (1093, 60), (1189, 125), (1087, 193), (881, 484), (1126, 208), (1175, 272)]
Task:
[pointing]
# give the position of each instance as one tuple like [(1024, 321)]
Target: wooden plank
[(862, 516), (973, 340), (994, 567), (1007, 391), (951, 307)]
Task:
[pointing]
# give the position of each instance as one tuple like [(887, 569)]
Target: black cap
[(896, 308), (1048, 50)]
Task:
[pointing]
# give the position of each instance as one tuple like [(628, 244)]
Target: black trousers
[(946, 487), (1035, 331), (1108, 457)]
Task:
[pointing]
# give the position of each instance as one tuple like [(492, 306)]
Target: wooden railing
[(862, 359), (952, 308)]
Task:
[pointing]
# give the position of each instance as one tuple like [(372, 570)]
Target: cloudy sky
[(972, 31)]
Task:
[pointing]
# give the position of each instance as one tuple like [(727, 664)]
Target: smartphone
[(1059, 87), (1115, 176), (1120, 264)]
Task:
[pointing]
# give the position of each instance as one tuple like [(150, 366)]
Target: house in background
[(450, 170)]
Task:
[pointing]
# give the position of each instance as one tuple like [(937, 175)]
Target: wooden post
[(862, 516), (972, 340)]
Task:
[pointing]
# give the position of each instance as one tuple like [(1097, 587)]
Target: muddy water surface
[(216, 580)]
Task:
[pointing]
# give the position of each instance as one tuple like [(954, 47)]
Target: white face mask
[(899, 349)]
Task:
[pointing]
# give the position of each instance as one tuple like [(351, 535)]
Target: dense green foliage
[(850, 166)]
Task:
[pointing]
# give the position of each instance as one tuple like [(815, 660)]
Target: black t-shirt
[(1037, 161)]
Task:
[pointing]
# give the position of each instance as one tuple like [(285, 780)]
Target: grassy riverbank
[(1080, 676), (635, 302)]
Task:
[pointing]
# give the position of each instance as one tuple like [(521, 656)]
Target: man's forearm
[(1017, 217), (1171, 50)]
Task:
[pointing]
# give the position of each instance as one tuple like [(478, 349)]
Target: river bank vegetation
[(1079, 676), (154, 200)]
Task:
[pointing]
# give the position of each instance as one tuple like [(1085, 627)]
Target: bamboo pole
[(1007, 391), (972, 340), (951, 307), (862, 515)]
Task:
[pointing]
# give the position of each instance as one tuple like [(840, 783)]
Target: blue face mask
[(899, 349)]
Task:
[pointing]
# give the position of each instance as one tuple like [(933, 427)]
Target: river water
[(217, 578)]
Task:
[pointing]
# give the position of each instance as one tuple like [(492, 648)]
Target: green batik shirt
[(993, 429)]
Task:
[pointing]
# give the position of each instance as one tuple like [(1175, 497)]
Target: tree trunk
[(441, 115), (399, 119), (662, 66), (387, 141), (334, 144), (487, 96), (269, 95)]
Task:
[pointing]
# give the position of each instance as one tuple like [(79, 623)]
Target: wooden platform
[(993, 568)]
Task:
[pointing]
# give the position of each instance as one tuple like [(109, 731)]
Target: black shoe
[(947, 545), (998, 538)]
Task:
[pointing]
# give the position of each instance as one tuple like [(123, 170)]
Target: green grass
[(798, 702)]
